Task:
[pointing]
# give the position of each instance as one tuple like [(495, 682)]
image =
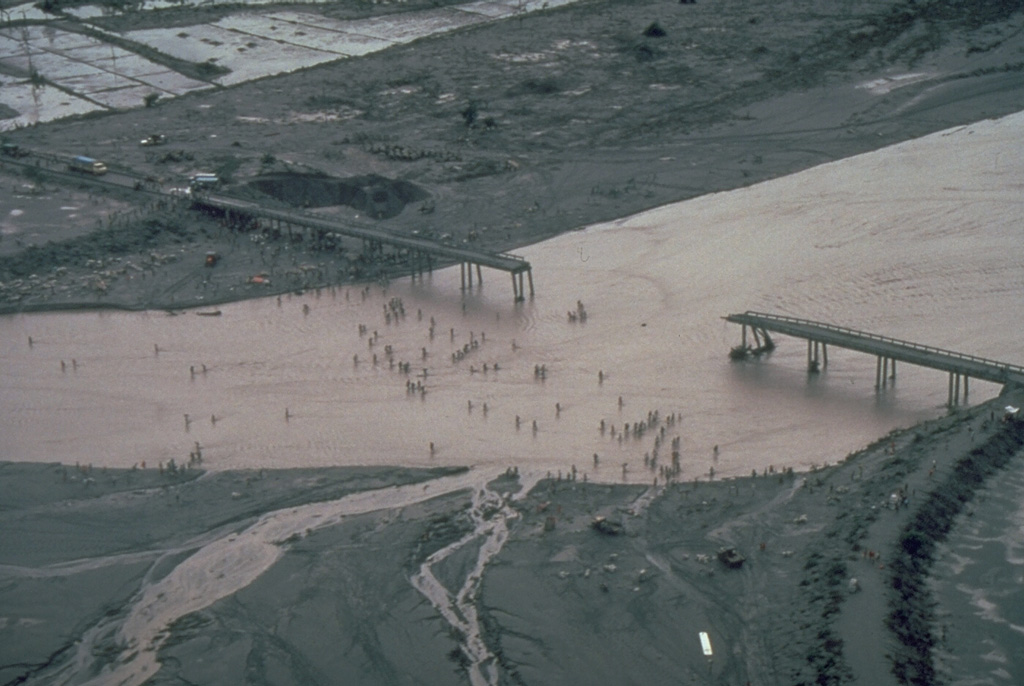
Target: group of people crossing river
[(654, 431), (650, 443)]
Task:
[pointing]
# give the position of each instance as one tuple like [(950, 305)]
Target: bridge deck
[(884, 347), (500, 261)]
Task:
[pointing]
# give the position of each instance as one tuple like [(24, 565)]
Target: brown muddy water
[(920, 241)]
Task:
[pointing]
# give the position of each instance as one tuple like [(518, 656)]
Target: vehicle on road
[(155, 139), (731, 558), (87, 165), (13, 150), (203, 180)]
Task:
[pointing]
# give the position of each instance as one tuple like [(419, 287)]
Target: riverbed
[(918, 241)]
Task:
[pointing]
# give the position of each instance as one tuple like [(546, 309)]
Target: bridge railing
[(887, 339), (518, 258), (375, 232)]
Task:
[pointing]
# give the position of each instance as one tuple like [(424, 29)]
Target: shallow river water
[(920, 241)]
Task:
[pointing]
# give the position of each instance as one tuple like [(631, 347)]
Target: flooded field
[(95, 75), (917, 241)]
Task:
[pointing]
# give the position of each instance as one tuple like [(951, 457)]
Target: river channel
[(919, 241)]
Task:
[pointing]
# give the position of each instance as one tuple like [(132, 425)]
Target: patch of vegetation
[(469, 114), (34, 174), (148, 234), (35, 78), (535, 86), (226, 167), (210, 69), (441, 530), (644, 53), (655, 31)]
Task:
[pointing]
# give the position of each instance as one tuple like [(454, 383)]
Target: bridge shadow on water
[(843, 388)]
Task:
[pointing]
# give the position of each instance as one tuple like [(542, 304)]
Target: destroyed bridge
[(423, 251), (887, 350)]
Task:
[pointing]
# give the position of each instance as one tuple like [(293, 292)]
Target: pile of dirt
[(375, 196)]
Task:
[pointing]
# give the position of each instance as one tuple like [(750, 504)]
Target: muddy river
[(920, 241)]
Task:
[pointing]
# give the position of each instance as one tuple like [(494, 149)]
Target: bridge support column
[(521, 291), (529, 277), (954, 388), (462, 267), (882, 373), (479, 276), (743, 340), (816, 351), (515, 288)]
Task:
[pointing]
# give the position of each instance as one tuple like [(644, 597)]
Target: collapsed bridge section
[(960, 366), (425, 251)]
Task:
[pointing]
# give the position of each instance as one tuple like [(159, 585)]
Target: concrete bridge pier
[(467, 274), (763, 343), (883, 372), (817, 355), (954, 388), (518, 288)]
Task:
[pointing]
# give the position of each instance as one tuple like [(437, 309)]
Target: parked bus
[(203, 181), (87, 165)]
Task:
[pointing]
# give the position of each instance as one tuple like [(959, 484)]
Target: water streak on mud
[(216, 570), (490, 512)]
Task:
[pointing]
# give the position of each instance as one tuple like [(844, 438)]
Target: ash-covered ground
[(383, 576), (494, 136), (500, 135)]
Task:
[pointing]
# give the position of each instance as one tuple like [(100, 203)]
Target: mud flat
[(524, 588)]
